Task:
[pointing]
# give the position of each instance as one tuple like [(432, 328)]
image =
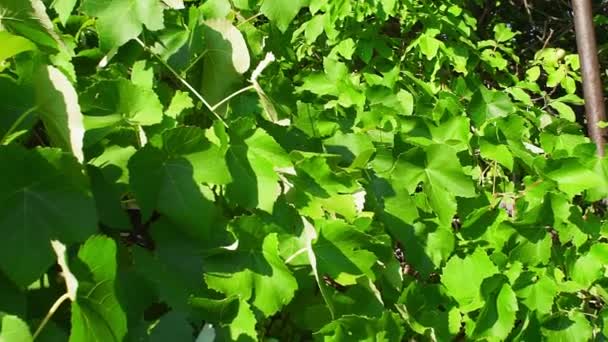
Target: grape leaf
[(340, 252), (176, 265), (59, 110), (497, 318), (97, 314), (224, 63), (489, 104), (14, 329), (463, 278), (171, 180), (351, 327), (254, 271), (28, 18), (14, 45), (131, 103), (43, 196), (131, 14), (281, 13), (252, 162)]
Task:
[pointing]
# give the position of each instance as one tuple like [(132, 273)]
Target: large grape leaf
[(489, 104), (28, 18), (121, 98), (170, 179), (497, 318), (14, 45), (536, 294), (438, 169), (254, 271), (97, 314), (590, 267), (175, 266), (571, 326), (280, 12), (227, 58), (252, 162), (13, 329), (463, 278), (341, 253), (131, 14), (43, 196), (59, 110)]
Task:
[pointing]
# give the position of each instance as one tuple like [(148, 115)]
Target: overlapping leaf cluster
[(385, 174)]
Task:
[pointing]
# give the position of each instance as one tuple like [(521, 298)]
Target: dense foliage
[(377, 170)]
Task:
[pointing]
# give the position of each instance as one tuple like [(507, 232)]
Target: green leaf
[(463, 278), (176, 265), (253, 162), (18, 114), (254, 271), (314, 28), (572, 177), (356, 148), (43, 196), (28, 18), (567, 327), (216, 9), (503, 33), (533, 74), (134, 104), (59, 110), (554, 77), (227, 58), (13, 329), (171, 180), (429, 46), (539, 293), (13, 45), (590, 267), (564, 111), (242, 327), (499, 153), (97, 314), (280, 12), (216, 310), (341, 253), (438, 168), (489, 104), (351, 328), (172, 326), (131, 14), (497, 318), (180, 102), (64, 8)]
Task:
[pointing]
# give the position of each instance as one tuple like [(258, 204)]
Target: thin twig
[(548, 38)]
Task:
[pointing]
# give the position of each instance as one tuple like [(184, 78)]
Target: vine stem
[(229, 97), (49, 314), (183, 81)]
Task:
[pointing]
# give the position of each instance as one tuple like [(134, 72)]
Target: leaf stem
[(229, 97), (49, 314), (182, 80)]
